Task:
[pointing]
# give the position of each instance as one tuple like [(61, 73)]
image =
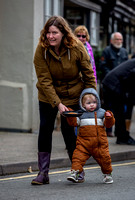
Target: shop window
[(94, 28), (52, 7), (74, 17)]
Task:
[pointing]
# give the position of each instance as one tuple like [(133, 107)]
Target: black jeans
[(47, 120)]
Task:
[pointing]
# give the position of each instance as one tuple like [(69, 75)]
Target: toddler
[(92, 138)]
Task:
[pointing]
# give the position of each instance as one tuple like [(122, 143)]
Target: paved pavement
[(18, 151)]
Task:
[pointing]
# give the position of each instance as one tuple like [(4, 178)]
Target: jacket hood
[(89, 91)]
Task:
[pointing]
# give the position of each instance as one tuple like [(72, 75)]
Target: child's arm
[(109, 119), (72, 121)]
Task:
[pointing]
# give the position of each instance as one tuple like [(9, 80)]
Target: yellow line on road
[(63, 171)]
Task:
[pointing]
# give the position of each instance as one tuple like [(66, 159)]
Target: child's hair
[(91, 96)]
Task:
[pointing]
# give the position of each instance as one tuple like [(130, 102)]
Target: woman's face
[(82, 36), (54, 36)]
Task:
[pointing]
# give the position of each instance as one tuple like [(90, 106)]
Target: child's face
[(90, 104)]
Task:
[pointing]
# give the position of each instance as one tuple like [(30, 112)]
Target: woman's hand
[(62, 108)]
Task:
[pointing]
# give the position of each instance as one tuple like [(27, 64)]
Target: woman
[(82, 33), (58, 60)]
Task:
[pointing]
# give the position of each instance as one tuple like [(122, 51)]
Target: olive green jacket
[(62, 78)]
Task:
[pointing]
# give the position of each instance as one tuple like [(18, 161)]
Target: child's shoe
[(81, 177), (74, 176), (108, 178)]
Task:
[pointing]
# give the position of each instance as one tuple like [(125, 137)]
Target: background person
[(59, 59), (92, 138), (128, 108), (111, 57), (82, 33), (116, 84)]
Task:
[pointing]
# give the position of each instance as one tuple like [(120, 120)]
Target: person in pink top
[(82, 34)]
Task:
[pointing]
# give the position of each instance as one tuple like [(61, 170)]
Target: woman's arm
[(44, 77)]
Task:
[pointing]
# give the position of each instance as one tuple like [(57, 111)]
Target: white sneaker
[(74, 176), (108, 178)]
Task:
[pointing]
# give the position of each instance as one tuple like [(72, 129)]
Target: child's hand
[(108, 114)]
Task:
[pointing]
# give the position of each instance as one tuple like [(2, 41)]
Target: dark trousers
[(115, 102), (128, 107), (47, 121), (105, 103)]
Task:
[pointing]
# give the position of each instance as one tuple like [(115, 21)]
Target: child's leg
[(80, 156), (103, 158), (78, 160)]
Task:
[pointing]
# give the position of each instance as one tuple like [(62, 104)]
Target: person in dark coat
[(128, 109), (116, 84), (112, 56)]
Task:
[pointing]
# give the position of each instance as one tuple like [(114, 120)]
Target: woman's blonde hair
[(82, 29), (69, 40)]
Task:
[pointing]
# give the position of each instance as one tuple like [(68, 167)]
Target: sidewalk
[(18, 151)]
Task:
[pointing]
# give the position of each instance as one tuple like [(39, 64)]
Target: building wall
[(38, 19), (16, 55)]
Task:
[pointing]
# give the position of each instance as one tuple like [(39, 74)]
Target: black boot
[(43, 164), (127, 139)]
